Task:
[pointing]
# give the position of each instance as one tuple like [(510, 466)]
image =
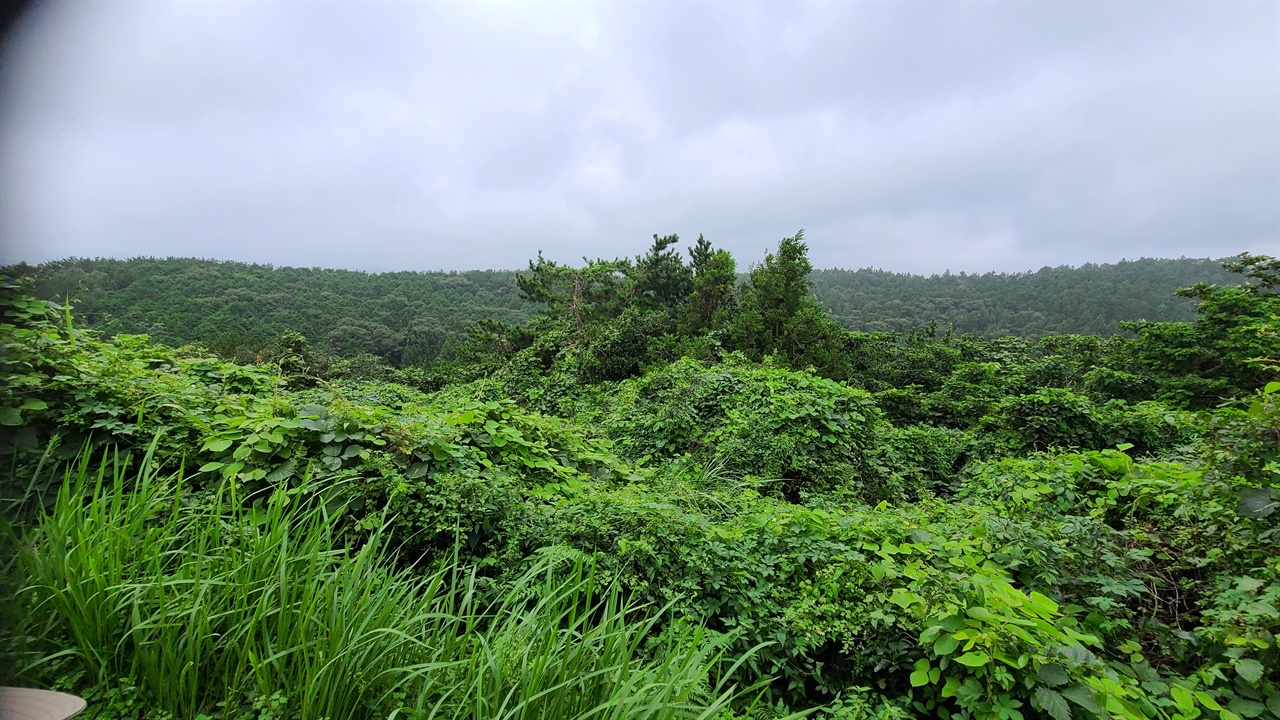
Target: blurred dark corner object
[(11, 12)]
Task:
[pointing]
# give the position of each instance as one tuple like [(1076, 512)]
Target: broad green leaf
[(10, 416), (1207, 700), (1077, 653), (1052, 675), (920, 673), (945, 645), (34, 404), (950, 687), (904, 599), (217, 445), (1042, 604), (1246, 708), (282, 473), (1182, 697), (977, 658), (1051, 702), (1006, 658), (211, 466), (1248, 585), (1257, 503), (979, 613), (1250, 670), (1081, 695)]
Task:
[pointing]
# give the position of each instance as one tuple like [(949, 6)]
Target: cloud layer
[(913, 136)]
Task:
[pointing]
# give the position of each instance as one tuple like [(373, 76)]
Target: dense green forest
[(1090, 299), (662, 490), (414, 319), (236, 309)]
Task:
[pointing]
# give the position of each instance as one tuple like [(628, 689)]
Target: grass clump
[(160, 602)]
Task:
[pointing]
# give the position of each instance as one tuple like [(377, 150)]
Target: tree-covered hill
[(237, 308), (1091, 299), (412, 318)]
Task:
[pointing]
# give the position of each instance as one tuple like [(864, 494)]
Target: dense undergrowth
[(663, 497), (173, 603)]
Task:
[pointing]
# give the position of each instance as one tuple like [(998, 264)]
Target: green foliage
[(1183, 525), (1046, 418), (660, 490), (662, 278), (489, 343), (1225, 352), (598, 290), (1055, 417), (714, 279), (778, 314), (802, 432), (33, 353), (920, 459)]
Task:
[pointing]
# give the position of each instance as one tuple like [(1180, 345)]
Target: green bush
[(809, 433), (1049, 417), (919, 459)]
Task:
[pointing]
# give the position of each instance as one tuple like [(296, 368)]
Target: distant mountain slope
[(411, 317), (405, 317), (1091, 299)]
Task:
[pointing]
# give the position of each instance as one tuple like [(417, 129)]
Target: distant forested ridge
[(1091, 299), (414, 318), (235, 309)]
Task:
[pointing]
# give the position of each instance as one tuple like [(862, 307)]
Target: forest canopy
[(416, 318)]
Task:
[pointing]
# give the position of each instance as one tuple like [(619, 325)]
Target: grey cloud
[(917, 137)]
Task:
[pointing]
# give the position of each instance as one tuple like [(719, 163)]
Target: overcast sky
[(909, 136)]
